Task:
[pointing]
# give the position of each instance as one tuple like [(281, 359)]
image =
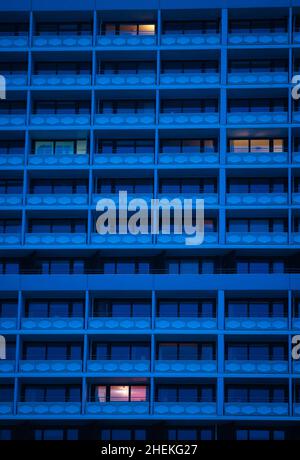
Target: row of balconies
[(210, 199), (173, 410), (143, 367), (210, 238), (143, 324), (147, 41), (147, 159), (147, 79)]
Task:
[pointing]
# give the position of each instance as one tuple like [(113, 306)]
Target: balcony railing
[(296, 157), (117, 408), (260, 323), (130, 196), (257, 158), (49, 366), (296, 237), (189, 158), (7, 366), (123, 158), (172, 239), (257, 117), (6, 408), (59, 120), (10, 199), (16, 80), (138, 79), (124, 366), (60, 80), (177, 409), (257, 199), (210, 199), (185, 366), (296, 117), (49, 408), (44, 324), (272, 238), (10, 239), (8, 323), (58, 160), (181, 119), (124, 119), (194, 40), (131, 41), (55, 238), (263, 78), (123, 323), (65, 41), (258, 38), (189, 79), (12, 41), (256, 367), (13, 120), (181, 323), (296, 37), (296, 323), (111, 239), (52, 199), (11, 160), (263, 409)]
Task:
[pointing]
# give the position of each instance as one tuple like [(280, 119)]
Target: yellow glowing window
[(260, 145), (239, 145), (147, 29), (278, 145), (128, 29)]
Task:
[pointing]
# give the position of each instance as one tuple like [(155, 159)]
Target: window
[(11, 107), (256, 351), (63, 28), (191, 27), (188, 185), (51, 393), (189, 106), (126, 67), (58, 308), (120, 351), (185, 351), (123, 434), (256, 308), (11, 147), (257, 105), (57, 226), (256, 393), (14, 28), (121, 308), (125, 106), (257, 185), (52, 351), (190, 266), (58, 186), (260, 266), (68, 147), (119, 393), (185, 393), (258, 26), (131, 185), (256, 225), (8, 308), (258, 65), (62, 68), (125, 146), (125, 266), (10, 226), (189, 67), (186, 146), (128, 29), (186, 309)]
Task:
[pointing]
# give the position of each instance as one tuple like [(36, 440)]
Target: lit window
[(147, 29), (119, 393), (101, 393), (138, 393), (260, 145)]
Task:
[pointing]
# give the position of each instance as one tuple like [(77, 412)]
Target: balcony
[(8, 324), (117, 408), (191, 324), (210, 199), (124, 119), (189, 79), (257, 238), (177, 409), (6, 408), (12, 121), (114, 197), (126, 80), (256, 367), (15, 81), (258, 78), (252, 324), (186, 366), (193, 40), (61, 41), (58, 160), (121, 323), (181, 119), (295, 367), (10, 199), (13, 41), (124, 159), (130, 41), (10, 239), (257, 158), (257, 199), (296, 37), (54, 120), (296, 198), (296, 407), (296, 323), (296, 238), (7, 366), (45, 324), (55, 238), (258, 38), (59, 200), (126, 240), (209, 238), (296, 157), (49, 408), (124, 366), (263, 409), (296, 117), (60, 80), (189, 158), (55, 367), (257, 118), (11, 160)]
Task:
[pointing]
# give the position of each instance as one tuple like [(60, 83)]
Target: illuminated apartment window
[(67, 147), (256, 145), (121, 393), (128, 29)]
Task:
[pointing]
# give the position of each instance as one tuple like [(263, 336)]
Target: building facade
[(141, 337)]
